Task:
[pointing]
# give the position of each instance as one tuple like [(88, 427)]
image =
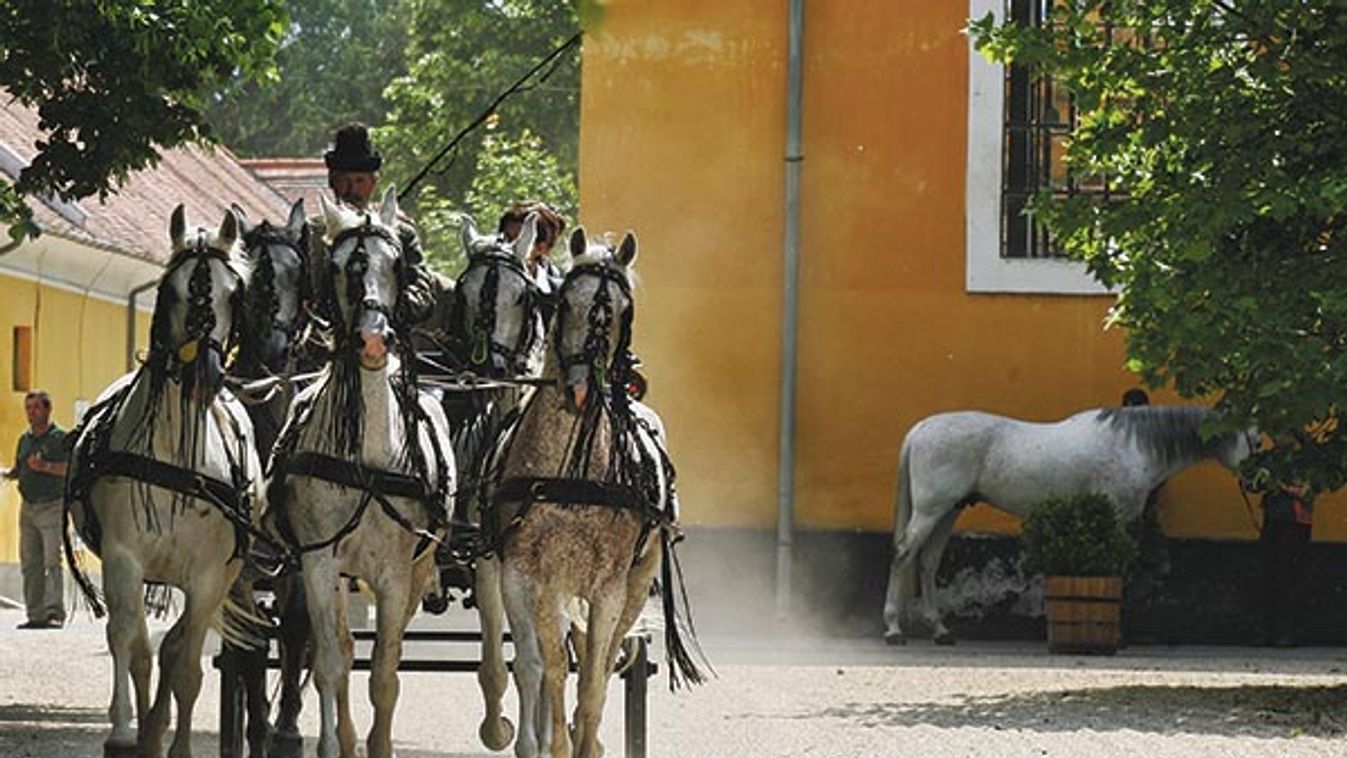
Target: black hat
[(352, 150)]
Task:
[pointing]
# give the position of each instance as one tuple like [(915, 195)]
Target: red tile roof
[(134, 220), (294, 178)]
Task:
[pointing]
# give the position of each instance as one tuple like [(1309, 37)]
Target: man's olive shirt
[(39, 486)]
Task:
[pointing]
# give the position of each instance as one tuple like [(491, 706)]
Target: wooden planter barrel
[(1084, 614)]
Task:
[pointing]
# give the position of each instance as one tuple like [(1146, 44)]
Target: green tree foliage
[(117, 80), (508, 170), (460, 57), (334, 63), (1223, 123)]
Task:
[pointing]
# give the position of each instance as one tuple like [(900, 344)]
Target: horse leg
[(496, 731), (253, 672), (551, 630), (929, 561), (320, 590), (605, 613), (391, 600), (203, 606), (286, 741), (346, 737), (528, 664), (154, 726), (129, 644), (905, 552), (638, 591)]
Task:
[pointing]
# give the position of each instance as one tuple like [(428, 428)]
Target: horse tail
[(906, 575), (78, 571), (681, 647)]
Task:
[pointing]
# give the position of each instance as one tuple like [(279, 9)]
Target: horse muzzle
[(202, 374)]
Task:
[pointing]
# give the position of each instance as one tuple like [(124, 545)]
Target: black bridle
[(479, 337), (263, 299), (201, 321), (599, 320), (357, 266)]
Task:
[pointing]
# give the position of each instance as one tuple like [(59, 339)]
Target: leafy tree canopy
[(117, 80), (461, 56), (335, 61), (1223, 123)]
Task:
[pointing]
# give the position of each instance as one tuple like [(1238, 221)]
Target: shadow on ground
[(1244, 711), (1257, 711)]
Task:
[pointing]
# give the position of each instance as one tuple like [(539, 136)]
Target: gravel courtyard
[(783, 696)]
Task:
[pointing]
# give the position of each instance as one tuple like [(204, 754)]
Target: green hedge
[(1077, 536)]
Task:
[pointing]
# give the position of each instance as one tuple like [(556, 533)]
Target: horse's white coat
[(378, 551), (187, 543), (950, 458)]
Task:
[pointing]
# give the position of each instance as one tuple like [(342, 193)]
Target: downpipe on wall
[(785, 526)]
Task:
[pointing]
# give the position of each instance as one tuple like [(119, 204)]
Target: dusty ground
[(791, 697)]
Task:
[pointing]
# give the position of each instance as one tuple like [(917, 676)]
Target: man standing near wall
[(40, 464)]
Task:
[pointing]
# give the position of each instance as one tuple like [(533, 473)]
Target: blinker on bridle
[(357, 266), (200, 321), (599, 320), (481, 333)]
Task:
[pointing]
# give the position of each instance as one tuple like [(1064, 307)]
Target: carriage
[(364, 474)]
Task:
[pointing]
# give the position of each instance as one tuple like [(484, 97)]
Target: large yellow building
[(66, 297), (909, 304)]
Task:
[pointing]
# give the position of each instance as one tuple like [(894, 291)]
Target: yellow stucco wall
[(682, 140), (80, 348)]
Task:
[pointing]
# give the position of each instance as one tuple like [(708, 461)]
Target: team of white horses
[(168, 487), (167, 484)]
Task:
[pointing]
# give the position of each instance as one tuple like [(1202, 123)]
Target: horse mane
[(1170, 433)]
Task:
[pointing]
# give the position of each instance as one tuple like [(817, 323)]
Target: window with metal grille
[(1039, 117)]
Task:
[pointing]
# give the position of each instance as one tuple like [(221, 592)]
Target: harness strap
[(377, 485), (529, 491), (221, 494)]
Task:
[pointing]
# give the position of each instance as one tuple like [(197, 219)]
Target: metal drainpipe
[(131, 322), (790, 311)]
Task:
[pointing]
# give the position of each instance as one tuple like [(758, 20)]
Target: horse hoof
[(943, 638), (285, 745), (895, 638), (497, 736), (120, 749)]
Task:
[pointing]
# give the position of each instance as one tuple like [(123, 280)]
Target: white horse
[(163, 485), (497, 321), (363, 472), (951, 460), (580, 507)]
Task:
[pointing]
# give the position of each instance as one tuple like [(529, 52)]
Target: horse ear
[(626, 252), (388, 210), (579, 243), (177, 227), (523, 244), (229, 230), (467, 231), (296, 220), (242, 215), (329, 214)]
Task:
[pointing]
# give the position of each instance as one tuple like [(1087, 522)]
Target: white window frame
[(987, 271)]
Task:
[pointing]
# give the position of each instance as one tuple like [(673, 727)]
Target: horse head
[(199, 307), (1238, 446), (496, 304), (363, 279), (592, 326), (277, 289)]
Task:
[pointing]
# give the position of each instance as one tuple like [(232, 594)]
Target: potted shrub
[(1082, 550)]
